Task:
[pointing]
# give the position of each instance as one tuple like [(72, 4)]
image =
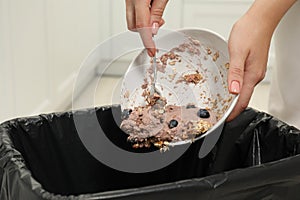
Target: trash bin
[(42, 157)]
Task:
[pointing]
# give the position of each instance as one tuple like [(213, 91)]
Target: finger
[(243, 99), (143, 25), (156, 26), (161, 22), (255, 70), (130, 15), (146, 36), (157, 10), (238, 58)]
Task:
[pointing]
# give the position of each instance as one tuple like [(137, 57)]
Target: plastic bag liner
[(42, 157)]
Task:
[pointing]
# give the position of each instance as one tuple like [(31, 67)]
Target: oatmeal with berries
[(159, 124), (187, 106)]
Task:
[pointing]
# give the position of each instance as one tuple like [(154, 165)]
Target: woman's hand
[(248, 49), (248, 45), (145, 16)]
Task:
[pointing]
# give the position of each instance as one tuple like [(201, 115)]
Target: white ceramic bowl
[(208, 55)]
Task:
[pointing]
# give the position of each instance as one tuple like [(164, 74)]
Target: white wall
[(43, 42)]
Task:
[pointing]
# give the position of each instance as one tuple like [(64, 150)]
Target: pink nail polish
[(155, 27), (235, 87), (150, 53)]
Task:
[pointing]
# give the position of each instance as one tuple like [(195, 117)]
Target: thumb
[(157, 10), (236, 71)]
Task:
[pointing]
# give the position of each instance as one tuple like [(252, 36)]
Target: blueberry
[(173, 123), (125, 114), (203, 113), (190, 106)]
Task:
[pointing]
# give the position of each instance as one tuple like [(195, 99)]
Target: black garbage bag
[(42, 157)]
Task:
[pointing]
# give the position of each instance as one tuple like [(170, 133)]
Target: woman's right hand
[(145, 17)]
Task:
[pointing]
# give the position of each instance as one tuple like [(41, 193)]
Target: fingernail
[(235, 87), (150, 53), (155, 27)]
